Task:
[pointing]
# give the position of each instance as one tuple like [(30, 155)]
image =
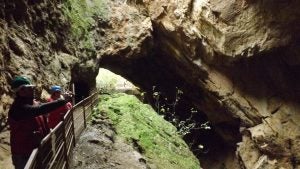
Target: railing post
[(65, 145), (73, 91), (73, 128), (84, 118)]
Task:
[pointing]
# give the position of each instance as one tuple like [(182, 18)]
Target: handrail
[(61, 140)]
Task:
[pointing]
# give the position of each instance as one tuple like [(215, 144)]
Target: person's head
[(23, 87), (55, 92)]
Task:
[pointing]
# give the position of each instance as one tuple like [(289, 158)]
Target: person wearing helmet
[(57, 115), (23, 117)]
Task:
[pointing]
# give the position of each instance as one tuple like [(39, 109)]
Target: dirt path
[(98, 148)]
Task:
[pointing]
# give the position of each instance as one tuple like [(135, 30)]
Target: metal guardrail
[(55, 150)]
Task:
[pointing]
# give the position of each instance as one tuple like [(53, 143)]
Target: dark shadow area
[(82, 90), (274, 73), (198, 132)]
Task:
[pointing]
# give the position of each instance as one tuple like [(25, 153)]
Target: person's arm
[(30, 111)]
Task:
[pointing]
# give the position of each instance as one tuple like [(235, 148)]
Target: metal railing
[(55, 150)]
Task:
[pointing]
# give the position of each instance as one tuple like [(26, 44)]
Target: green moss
[(82, 15), (155, 137)]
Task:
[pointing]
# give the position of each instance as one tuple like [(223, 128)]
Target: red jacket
[(26, 134), (57, 115)]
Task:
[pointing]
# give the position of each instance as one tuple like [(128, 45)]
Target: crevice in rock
[(20, 13)]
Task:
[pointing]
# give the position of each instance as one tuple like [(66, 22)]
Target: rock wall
[(36, 42), (238, 61)]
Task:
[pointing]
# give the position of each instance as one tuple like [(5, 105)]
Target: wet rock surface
[(99, 148)]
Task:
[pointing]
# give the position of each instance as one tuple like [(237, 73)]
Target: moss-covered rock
[(154, 137), (82, 16)]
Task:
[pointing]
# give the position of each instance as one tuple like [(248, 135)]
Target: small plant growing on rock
[(168, 110)]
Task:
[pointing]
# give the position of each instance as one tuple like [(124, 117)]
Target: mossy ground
[(157, 139)]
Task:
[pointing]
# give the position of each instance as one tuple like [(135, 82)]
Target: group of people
[(30, 120)]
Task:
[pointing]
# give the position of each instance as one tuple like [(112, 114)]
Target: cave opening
[(109, 82)]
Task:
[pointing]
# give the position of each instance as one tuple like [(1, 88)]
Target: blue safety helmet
[(55, 89)]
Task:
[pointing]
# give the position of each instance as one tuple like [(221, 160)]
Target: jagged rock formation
[(36, 42)]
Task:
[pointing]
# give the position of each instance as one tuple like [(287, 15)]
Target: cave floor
[(98, 147)]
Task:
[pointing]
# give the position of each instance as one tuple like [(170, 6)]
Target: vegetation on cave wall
[(156, 138), (83, 16)]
